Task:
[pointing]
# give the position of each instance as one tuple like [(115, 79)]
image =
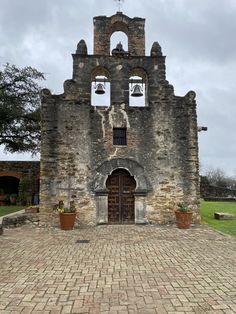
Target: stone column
[(101, 200), (140, 208)]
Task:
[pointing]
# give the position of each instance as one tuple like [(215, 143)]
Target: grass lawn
[(5, 210), (207, 213)]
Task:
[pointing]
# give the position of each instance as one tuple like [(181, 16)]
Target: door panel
[(121, 186)]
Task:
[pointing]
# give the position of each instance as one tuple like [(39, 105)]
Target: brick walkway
[(123, 269)]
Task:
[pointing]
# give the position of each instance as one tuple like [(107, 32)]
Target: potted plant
[(67, 216), (183, 216)]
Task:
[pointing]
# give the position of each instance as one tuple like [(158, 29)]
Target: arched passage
[(9, 187), (9, 184)]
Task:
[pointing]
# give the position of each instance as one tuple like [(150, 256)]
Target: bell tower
[(129, 73), (104, 27)]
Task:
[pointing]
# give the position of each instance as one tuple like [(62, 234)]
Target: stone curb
[(12, 214)]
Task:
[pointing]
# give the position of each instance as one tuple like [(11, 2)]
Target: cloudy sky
[(197, 36)]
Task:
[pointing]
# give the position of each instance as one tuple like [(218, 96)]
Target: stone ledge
[(32, 210)]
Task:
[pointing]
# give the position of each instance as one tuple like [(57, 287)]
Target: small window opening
[(119, 136)]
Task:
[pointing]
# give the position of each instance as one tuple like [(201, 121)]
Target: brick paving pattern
[(123, 269)]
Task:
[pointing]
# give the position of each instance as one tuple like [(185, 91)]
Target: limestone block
[(223, 216)]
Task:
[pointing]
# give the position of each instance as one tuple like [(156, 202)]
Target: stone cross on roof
[(119, 4)]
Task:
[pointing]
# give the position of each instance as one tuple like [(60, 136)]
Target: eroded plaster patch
[(124, 113), (102, 123)]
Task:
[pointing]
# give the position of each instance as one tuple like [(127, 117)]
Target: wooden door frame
[(124, 209)]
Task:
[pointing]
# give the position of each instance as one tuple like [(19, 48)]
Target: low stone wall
[(219, 199), (17, 220), (215, 191)]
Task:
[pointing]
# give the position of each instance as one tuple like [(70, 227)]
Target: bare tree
[(218, 177)]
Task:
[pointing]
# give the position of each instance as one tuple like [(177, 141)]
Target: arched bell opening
[(100, 87), (119, 44), (121, 200), (138, 88)]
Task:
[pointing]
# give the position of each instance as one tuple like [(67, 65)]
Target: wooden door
[(121, 186)]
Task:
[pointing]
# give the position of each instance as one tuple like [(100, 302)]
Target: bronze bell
[(100, 89), (137, 91)]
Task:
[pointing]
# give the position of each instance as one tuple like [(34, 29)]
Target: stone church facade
[(119, 163)]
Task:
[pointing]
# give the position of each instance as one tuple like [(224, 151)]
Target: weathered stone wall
[(78, 154), (65, 155), (162, 138)]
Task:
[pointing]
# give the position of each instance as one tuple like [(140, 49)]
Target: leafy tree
[(204, 181), (20, 109), (25, 192)]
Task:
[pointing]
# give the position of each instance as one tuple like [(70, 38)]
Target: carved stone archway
[(101, 192)]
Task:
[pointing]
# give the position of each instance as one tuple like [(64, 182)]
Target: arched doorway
[(9, 189), (121, 203), (9, 184)]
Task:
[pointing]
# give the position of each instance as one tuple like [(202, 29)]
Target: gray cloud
[(196, 35), (200, 29)]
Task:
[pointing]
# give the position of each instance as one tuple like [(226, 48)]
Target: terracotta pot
[(183, 220), (67, 220)]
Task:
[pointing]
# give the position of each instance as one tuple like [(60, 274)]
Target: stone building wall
[(20, 168), (77, 152)]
